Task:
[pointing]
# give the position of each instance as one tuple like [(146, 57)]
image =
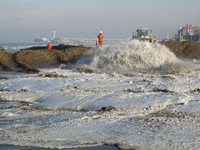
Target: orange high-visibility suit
[(97, 43), (49, 46), (100, 36)]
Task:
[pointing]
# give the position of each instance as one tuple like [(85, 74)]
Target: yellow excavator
[(182, 39), (144, 34)]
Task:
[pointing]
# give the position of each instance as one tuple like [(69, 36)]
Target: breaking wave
[(130, 57)]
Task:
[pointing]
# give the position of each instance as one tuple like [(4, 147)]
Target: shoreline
[(14, 147)]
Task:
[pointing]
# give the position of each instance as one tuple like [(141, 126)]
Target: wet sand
[(13, 147)]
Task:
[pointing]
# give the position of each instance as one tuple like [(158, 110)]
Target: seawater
[(18, 46), (155, 97)]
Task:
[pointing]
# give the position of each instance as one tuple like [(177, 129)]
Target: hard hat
[(49, 41), (100, 32), (97, 40)]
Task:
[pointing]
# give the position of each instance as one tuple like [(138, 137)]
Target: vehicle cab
[(144, 34)]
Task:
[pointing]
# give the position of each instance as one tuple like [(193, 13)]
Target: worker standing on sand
[(97, 43), (49, 46), (100, 37)]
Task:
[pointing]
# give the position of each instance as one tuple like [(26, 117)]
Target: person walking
[(100, 37), (49, 46)]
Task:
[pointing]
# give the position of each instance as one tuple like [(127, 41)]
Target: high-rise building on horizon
[(188, 32)]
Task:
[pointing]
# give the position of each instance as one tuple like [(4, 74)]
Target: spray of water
[(129, 57)]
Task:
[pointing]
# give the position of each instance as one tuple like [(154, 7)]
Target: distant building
[(53, 40), (60, 40), (41, 40), (188, 32), (54, 34)]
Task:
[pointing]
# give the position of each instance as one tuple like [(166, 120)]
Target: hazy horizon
[(22, 20)]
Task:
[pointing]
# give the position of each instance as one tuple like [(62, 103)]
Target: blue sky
[(23, 20)]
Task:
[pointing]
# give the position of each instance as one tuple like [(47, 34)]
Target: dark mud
[(26, 106), (103, 109), (161, 90), (154, 90), (52, 76), (163, 113), (3, 78), (86, 70), (195, 90), (17, 91)]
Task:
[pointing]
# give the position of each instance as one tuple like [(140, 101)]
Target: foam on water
[(130, 56), (153, 110)]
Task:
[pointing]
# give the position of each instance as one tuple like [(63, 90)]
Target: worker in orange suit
[(97, 43), (100, 37), (49, 46)]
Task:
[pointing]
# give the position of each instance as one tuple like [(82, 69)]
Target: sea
[(18, 46), (132, 95)]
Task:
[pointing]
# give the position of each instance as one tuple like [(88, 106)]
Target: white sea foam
[(130, 56), (154, 110)]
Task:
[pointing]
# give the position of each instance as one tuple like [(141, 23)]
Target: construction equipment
[(182, 39), (144, 34)]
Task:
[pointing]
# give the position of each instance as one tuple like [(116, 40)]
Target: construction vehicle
[(144, 34), (182, 39)]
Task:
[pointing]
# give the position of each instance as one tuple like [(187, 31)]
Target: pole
[(116, 36)]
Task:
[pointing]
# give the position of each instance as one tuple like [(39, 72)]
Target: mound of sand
[(29, 60), (1, 48), (185, 49)]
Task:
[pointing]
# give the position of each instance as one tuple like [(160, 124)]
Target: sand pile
[(6, 60), (1, 48), (185, 49), (29, 60)]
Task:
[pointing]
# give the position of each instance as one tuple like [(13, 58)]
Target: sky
[(24, 20)]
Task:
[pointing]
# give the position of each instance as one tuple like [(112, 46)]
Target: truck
[(144, 34)]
